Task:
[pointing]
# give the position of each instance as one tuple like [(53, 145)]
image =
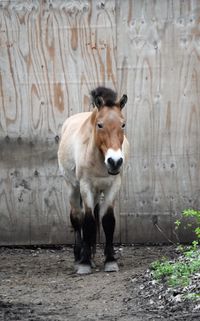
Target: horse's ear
[(123, 101), (98, 101)]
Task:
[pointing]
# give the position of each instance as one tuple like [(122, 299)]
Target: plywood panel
[(158, 62), (52, 53)]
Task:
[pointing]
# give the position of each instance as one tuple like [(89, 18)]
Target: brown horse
[(91, 155)]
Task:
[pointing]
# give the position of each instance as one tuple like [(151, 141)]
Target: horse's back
[(74, 122)]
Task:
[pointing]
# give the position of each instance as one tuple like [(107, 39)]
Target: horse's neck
[(91, 148)]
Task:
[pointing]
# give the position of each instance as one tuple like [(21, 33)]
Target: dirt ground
[(39, 284)]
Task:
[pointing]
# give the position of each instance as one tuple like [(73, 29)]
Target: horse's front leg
[(88, 230), (108, 223)]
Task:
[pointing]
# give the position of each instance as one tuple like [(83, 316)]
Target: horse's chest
[(102, 183)]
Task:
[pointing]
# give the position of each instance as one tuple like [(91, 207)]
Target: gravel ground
[(39, 284)]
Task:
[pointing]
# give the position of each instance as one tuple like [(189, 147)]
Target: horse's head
[(109, 125)]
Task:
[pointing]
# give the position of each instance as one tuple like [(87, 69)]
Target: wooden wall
[(52, 53)]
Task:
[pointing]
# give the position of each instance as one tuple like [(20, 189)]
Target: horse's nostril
[(119, 162), (111, 161), (115, 164)]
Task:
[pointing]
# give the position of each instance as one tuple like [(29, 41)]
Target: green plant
[(177, 224), (192, 296), (175, 273), (196, 215), (179, 272)]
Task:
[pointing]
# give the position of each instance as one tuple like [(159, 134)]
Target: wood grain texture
[(52, 53), (158, 62)]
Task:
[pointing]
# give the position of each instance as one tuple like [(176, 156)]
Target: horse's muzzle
[(113, 173), (114, 165)]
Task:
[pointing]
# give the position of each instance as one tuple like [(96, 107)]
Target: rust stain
[(22, 16), (11, 67), (52, 51), (28, 60), (109, 62), (49, 29), (86, 103), (193, 119), (102, 70), (130, 11), (34, 90), (58, 97), (74, 38)]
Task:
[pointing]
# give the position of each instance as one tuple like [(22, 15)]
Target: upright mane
[(109, 96)]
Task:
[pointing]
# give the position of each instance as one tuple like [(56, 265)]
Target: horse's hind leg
[(76, 218), (108, 222), (97, 234), (76, 223)]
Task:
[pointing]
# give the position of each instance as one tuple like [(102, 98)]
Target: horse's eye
[(100, 125), (123, 125)]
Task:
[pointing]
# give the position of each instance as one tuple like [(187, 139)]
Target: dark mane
[(109, 96)]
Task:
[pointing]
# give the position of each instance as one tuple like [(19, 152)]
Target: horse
[(91, 155)]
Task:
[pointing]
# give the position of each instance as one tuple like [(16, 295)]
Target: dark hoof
[(111, 267)]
